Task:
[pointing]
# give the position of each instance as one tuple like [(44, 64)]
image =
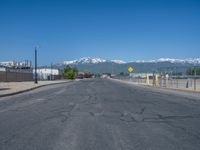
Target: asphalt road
[(99, 114)]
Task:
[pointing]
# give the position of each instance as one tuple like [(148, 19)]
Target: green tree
[(70, 73)]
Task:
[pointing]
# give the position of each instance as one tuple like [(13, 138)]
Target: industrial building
[(47, 74)]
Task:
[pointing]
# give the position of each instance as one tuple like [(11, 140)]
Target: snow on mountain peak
[(70, 62), (172, 60), (118, 61), (94, 60), (85, 60)]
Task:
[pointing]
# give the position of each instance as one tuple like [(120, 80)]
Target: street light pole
[(36, 81)]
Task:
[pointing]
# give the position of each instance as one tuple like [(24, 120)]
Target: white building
[(46, 73)]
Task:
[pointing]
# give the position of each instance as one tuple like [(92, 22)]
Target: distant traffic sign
[(130, 69)]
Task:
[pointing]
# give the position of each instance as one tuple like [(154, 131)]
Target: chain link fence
[(174, 82)]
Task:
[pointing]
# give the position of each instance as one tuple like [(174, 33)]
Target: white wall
[(43, 73)]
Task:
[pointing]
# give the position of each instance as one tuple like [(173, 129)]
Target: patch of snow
[(70, 62), (118, 61), (172, 60), (85, 60), (94, 60)]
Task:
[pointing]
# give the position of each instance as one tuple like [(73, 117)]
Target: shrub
[(70, 73)]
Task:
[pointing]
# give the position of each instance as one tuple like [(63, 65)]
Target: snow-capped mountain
[(94, 60), (172, 60), (118, 61), (70, 62), (91, 60), (87, 60), (98, 65)]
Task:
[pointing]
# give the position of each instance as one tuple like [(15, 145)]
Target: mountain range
[(92, 60), (98, 65)]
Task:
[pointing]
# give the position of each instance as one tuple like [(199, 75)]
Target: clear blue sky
[(118, 29)]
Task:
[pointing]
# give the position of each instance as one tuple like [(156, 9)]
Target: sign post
[(130, 69)]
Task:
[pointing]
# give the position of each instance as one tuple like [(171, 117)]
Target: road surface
[(99, 114)]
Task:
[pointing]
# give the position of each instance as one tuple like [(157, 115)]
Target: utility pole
[(36, 81)]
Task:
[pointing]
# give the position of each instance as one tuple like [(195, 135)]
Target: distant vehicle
[(88, 75), (80, 76)]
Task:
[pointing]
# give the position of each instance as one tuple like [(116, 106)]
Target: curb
[(27, 90)]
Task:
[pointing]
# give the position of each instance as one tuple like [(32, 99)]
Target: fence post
[(6, 74), (195, 84), (171, 82), (195, 73)]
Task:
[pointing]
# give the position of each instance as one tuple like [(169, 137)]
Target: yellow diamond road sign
[(130, 69)]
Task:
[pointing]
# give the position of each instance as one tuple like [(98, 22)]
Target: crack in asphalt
[(63, 114)]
